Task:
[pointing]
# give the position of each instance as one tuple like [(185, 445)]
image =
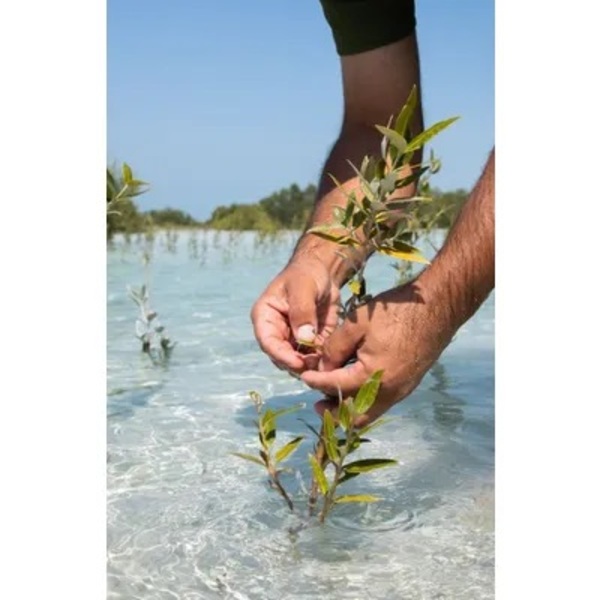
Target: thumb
[(302, 297)]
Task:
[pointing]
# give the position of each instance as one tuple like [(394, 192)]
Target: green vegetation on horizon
[(288, 208)]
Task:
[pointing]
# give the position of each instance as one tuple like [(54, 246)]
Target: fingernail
[(306, 332)]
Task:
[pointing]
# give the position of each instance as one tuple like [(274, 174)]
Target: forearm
[(462, 275), (376, 83), (352, 145)]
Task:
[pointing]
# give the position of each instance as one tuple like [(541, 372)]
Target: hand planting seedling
[(377, 217)]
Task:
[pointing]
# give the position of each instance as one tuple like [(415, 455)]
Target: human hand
[(301, 303), (401, 331)]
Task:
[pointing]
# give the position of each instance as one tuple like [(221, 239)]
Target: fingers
[(344, 381), (302, 312), (341, 345), (272, 333)]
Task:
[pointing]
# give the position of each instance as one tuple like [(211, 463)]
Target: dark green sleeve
[(361, 25)]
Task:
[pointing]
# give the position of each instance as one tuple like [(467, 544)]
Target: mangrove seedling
[(148, 329), (334, 450), (268, 457)]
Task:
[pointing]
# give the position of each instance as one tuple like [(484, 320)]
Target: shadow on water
[(123, 402), (448, 409)]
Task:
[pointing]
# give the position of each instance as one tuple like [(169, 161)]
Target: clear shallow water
[(188, 521)]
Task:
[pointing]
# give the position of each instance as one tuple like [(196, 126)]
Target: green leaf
[(428, 134), (249, 457), (396, 139), (348, 212), (346, 476), (373, 425), (127, 173), (344, 416), (358, 218), (318, 474), (369, 464), (290, 409), (407, 112), (327, 236), (364, 167), (388, 183), (367, 394), (371, 169), (338, 215), (401, 203), (330, 437), (137, 183), (364, 184), (354, 444), (355, 498), (403, 251), (338, 184), (412, 178), (310, 427), (267, 424), (288, 449)]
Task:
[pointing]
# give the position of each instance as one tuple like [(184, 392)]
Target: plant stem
[(277, 485), (321, 456), (329, 499)]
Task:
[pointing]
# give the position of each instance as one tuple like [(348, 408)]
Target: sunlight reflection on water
[(187, 520)]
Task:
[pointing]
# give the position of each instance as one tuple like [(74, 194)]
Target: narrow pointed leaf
[(367, 394), (346, 476), (267, 422), (373, 425), (286, 411), (348, 212), (327, 236), (344, 416), (249, 457), (397, 140), (407, 112), (127, 173), (369, 464), (356, 498), (318, 474), (428, 134), (338, 184), (403, 251), (330, 437), (137, 183), (310, 427), (364, 184), (358, 218), (287, 450), (412, 178), (388, 183)]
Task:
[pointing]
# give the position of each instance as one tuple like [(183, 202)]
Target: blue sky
[(228, 101)]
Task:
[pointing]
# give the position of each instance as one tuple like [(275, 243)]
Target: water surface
[(188, 521)]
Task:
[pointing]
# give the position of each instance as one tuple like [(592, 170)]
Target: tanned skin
[(404, 330)]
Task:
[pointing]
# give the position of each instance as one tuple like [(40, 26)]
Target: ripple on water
[(185, 520)]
